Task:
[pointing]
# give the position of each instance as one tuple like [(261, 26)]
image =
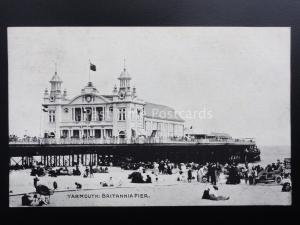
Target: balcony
[(141, 140)]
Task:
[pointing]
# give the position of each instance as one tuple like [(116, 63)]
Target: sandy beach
[(166, 192)]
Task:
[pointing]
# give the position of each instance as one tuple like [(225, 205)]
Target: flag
[(92, 67)]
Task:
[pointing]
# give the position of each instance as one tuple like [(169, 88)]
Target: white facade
[(92, 115)]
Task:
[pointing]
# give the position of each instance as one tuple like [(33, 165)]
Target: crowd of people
[(149, 172), (187, 172)]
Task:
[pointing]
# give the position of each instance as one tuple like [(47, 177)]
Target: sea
[(270, 154)]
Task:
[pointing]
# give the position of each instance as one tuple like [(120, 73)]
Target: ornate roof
[(98, 99), (124, 74)]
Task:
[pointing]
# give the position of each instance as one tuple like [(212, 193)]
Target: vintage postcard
[(149, 116)]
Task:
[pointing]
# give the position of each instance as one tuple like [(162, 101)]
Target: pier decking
[(59, 154)]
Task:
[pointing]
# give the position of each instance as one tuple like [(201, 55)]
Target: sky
[(234, 79)]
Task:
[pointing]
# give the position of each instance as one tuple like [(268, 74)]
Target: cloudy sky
[(240, 76)]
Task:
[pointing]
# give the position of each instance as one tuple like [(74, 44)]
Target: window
[(88, 114), (97, 133), (139, 114), (75, 133), (99, 113), (65, 133), (110, 114), (77, 114), (109, 132), (51, 116), (122, 113)]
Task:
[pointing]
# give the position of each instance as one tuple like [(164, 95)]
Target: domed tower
[(124, 78), (55, 91)]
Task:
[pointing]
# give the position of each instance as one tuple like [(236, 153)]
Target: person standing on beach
[(200, 174), (111, 182), (35, 180), (190, 175), (250, 176), (54, 185), (218, 171), (91, 170), (209, 172), (254, 176), (245, 172), (156, 170), (213, 174), (86, 174)]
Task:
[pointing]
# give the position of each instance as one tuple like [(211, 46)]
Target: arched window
[(122, 134), (52, 135), (122, 114)]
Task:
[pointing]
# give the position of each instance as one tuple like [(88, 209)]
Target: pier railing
[(148, 140)]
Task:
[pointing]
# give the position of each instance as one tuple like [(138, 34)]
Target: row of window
[(166, 127), (98, 133), (87, 113)]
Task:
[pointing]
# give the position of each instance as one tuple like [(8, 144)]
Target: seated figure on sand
[(212, 194), (78, 185)]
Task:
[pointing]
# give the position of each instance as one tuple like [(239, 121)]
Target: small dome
[(124, 73), (56, 78)]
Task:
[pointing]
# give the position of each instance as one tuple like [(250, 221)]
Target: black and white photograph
[(149, 116)]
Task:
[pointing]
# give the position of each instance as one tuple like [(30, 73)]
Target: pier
[(85, 154)]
